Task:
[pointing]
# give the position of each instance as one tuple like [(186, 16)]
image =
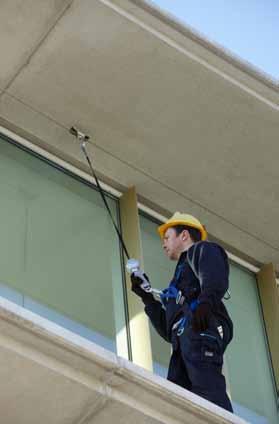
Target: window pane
[(58, 247), (250, 377)]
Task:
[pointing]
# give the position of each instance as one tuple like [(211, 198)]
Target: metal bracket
[(83, 138)]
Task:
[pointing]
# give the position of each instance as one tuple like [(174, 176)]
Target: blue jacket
[(201, 274)]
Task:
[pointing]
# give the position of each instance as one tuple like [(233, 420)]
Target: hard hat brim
[(163, 228)]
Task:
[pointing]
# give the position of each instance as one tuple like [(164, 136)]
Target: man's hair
[(195, 234)]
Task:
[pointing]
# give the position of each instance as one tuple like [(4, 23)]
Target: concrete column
[(269, 294), (138, 321)]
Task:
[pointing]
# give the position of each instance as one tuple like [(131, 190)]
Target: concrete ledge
[(52, 375)]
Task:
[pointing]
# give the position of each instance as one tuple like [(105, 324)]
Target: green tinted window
[(57, 245), (250, 375)]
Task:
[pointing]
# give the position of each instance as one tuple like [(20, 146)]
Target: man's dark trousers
[(196, 363)]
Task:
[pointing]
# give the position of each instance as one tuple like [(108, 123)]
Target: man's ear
[(185, 235)]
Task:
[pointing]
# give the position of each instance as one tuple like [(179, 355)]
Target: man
[(190, 313)]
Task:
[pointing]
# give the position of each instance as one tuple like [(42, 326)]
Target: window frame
[(84, 178)]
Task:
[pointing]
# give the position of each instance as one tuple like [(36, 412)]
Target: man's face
[(173, 245)]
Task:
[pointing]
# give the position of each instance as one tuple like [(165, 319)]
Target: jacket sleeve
[(209, 263), (157, 316)]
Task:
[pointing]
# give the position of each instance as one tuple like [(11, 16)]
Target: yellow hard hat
[(183, 219)]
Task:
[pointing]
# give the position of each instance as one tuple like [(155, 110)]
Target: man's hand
[(201, 317), (141, 285)]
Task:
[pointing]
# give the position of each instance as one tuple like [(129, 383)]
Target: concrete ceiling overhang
[(191, 127)]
